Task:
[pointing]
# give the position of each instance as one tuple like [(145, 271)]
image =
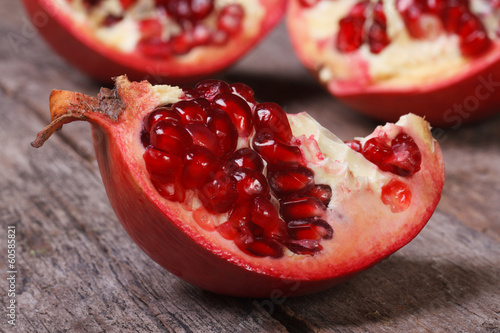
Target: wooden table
[(78, 271)]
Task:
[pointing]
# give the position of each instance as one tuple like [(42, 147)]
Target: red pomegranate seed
[(377, 34), (264, 214), (219, 194), (170, 137), (210, 88), (230, 19), (155, 47), (246, 158), (304, 246), (308, 3), (228, 230), (161, 113), (173, 191), (225, 132), (199, 164), (377, 151), (473, 36), (182, 43), (397, 195), (111, 20), (201, 35), (150, 28), (263, 247), (127, 3), (354, 145), (243, 91), (274, 151), (203, 136), (238, 109), (190, 93), (301, 207), (309, 229), (271, 115), (187, 10), (321, 192), (406, 157), (190, 112), (250, 184), (452, 18), (240, 215), (286, 181), (161, 166), (411, 17), (351, 29)]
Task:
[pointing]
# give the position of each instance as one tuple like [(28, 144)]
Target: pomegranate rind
[(365, 230), (469, 94), (76, 44)]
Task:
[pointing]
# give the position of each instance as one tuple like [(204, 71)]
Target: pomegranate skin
[(74, 42), (470, 95), (167, 233)]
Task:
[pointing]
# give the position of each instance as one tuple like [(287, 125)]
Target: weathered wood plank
[(80, 272)]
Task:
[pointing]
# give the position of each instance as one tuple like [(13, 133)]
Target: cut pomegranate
[(173, 41), (286, 201), (438, 59)]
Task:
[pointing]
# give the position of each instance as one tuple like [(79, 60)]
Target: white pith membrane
[(406, 61), (125, 34), (364, 227)]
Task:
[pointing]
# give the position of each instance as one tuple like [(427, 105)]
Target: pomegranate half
[(238, 198), (434, 58), (168, 41)]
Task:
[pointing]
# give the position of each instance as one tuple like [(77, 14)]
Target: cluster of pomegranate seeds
[(198, 22), (453, 16), (352, 28), (262, 183), (400, 156)]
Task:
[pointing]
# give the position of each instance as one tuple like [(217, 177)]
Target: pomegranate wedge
[(255, 200), (435, 58), (167, 41)]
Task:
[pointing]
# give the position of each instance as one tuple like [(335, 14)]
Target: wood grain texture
[(78, 271)]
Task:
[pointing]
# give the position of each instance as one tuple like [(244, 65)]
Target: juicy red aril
[(210, 88), (219, 193), (161, 114), (271, 116), (246, 158), (396, 195), (308, 3), (262, 247), (291, 180), (321, 192), (400, 156), (377, 34), (351, 29), (161, 166), (190, 112), (225, 132), (301, 207), (203, 136), (250, 184), (473, 36), (170, 137), (230, 19), (354, 145), (199, 164), (276, 152), (305, 246), (264, 214), (238, 109), (244, 91), (406, 157), (187, 10), (309, 229)]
